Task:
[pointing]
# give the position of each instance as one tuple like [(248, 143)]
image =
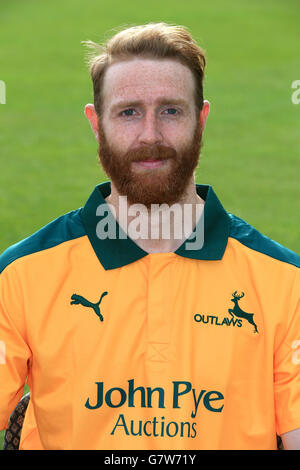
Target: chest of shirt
[(161, 313), (157, 337)]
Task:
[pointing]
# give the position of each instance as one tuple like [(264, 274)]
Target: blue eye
[(128, 112), (173, 111)]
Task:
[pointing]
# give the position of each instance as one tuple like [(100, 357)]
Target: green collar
[(121, 250)]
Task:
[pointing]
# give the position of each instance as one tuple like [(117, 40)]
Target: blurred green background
[(48, 154)]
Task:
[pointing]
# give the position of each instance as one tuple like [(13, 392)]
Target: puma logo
[(78, 299)]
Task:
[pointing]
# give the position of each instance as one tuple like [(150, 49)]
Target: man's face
[(149, 134)]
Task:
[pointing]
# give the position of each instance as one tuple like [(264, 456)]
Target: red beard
[(163, 185)]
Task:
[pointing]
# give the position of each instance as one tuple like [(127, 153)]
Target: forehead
[(146, 80)]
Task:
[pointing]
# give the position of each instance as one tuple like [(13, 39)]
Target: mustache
[(153, 152)]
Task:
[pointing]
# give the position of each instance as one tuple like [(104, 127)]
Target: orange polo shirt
[(121, 349)]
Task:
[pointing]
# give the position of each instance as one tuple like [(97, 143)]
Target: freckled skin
[(148, 124), (147, 80)]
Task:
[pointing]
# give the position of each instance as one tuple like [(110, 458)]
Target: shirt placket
[(158, 310)]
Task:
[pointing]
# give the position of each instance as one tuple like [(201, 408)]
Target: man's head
[(148, 112)]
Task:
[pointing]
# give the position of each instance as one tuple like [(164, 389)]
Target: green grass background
[(48, 154)]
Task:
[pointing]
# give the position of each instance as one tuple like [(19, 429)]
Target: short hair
[(153, 41)]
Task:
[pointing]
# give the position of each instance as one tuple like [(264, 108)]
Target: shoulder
[(60, 230), (250, 237)]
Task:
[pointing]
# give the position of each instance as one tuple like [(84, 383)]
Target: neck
[(161, 228)]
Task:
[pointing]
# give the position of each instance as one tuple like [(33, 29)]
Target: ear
[(91, 114), (204, 113)]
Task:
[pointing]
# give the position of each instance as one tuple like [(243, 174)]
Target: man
[(130, 339)]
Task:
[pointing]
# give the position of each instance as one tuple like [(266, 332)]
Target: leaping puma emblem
[(78, 299)]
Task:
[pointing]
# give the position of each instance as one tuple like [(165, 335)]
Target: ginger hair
[(152, 41)]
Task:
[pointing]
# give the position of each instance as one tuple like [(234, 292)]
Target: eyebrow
[(160, 102)]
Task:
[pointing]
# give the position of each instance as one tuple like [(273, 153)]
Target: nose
[(150, 132)]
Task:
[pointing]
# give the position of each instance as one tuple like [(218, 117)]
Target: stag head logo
[(236, 311)]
